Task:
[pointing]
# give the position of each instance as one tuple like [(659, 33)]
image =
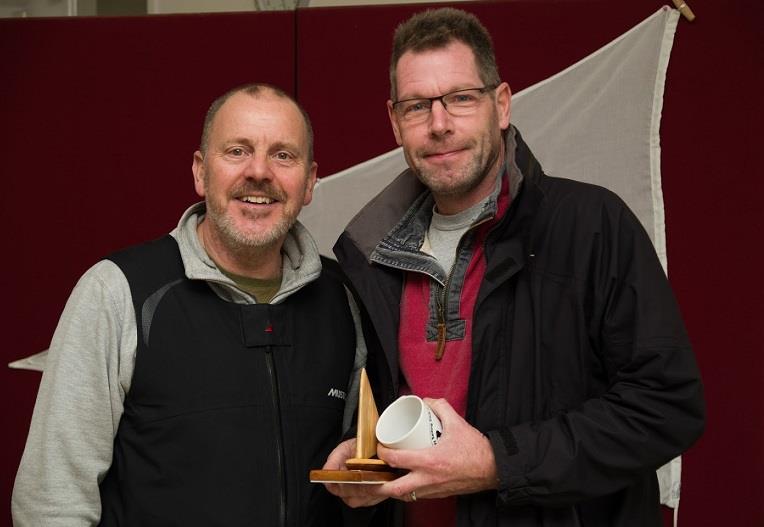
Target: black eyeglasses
[(459, 102)]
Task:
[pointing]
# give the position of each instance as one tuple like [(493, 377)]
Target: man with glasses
[(531, 311)]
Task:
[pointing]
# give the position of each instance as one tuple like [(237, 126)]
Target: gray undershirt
[(445, 231)]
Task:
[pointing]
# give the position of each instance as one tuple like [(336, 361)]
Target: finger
[(359, 495), (396, 458), (405, 459), (333, 488), (402, 487), (340, 490), (338, 456), (355, 502), (351, 497), (442, 409)]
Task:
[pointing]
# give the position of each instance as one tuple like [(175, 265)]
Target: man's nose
[(440, 119), (258, 167)]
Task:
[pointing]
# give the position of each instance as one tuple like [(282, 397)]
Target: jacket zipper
[(441, 347), (279, 434)]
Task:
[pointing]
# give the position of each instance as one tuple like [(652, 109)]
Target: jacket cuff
[(504, 445)]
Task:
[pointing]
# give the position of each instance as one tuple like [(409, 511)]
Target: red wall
[(100, 117), (713, 187)]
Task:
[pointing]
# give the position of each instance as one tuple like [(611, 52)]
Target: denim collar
[(401, 247)]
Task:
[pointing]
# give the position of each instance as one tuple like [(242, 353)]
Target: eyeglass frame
[(483, 90)]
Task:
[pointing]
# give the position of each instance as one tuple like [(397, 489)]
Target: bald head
[(254, 90)]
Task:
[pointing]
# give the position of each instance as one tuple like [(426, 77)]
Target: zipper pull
[(441, 341)]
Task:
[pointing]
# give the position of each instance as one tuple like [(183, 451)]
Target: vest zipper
[(441, 347), (279, 433)]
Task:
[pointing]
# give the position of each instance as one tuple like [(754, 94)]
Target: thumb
[(338, 456)]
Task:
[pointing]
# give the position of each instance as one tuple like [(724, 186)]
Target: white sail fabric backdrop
[(596, 121)]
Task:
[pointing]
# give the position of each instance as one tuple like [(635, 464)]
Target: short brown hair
[(254, 89), (436, 29)]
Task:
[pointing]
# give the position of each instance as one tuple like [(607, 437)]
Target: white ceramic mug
[(408, 423)]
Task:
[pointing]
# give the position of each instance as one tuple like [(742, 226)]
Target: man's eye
[(463, 97), (236, 152), (284, 156), (416, 107)]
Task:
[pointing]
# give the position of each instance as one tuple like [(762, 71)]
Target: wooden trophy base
[(360, 471)]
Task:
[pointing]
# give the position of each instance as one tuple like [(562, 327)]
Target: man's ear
[(198, 169), (394, 122), (310, 184), (503, 104)]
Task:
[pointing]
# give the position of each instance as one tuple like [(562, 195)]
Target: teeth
[(260, 200)]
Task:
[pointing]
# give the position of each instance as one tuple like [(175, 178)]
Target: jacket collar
[(395, 220)]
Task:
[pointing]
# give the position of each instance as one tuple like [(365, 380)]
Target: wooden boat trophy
[(364, 468)]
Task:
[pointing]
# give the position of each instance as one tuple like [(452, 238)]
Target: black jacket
[(230, 405), (582, 374)]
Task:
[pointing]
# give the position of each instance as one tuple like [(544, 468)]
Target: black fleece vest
[(230, 405)]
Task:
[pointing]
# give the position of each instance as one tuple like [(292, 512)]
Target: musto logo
[(337, 393)]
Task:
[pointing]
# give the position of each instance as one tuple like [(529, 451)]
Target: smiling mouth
[(257, 200), (445, 153)]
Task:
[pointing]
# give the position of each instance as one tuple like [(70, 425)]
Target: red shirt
[(447, 378)]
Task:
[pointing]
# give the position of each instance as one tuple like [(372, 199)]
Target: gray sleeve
[(79, 405), (351, 400)]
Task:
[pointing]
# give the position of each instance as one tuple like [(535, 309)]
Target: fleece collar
[(301, 261)]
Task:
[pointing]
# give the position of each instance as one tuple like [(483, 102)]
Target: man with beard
[(195, 380), (531, 311)]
